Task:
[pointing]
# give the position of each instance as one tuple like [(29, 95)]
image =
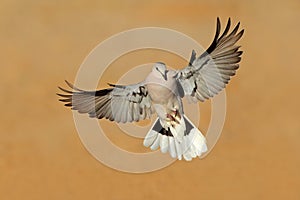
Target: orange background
[(44, 42)]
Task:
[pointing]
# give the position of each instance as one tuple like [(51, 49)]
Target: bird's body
[(161, 93), (169, 131)]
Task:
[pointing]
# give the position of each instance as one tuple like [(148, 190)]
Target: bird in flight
[(162, 91)]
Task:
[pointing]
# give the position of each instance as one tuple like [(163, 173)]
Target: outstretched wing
[(119, 103), (208, 74)]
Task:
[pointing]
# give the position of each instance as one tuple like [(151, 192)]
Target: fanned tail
[(183, 140)]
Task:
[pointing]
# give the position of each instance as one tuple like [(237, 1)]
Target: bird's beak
[(165, 75)]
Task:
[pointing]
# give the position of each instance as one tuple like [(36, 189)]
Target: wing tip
[(65, 90), (193, 57), (242, 32), (218, 28)]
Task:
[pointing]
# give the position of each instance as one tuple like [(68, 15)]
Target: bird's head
[(161, 69)]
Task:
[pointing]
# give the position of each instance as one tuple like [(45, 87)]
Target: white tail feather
[(185, 140)]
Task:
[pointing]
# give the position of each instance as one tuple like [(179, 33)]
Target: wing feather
[(118, 103), (208, 74)]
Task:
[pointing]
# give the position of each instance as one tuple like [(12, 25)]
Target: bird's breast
[(159, 94), (161, 90)]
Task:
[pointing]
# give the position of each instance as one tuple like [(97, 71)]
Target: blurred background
[(45, 42)]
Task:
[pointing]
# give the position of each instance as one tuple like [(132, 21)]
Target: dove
[(161, 93)]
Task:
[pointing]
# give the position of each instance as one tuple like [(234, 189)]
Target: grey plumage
[(207, 75), (161, 93), (120, 103)]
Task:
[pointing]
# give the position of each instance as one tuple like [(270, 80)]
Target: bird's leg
[(176, 114), (173, 117), (170, 120)]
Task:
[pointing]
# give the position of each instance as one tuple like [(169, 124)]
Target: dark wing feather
[(118, 103), (208, 74)]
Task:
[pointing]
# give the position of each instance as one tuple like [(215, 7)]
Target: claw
[(173, 117)]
